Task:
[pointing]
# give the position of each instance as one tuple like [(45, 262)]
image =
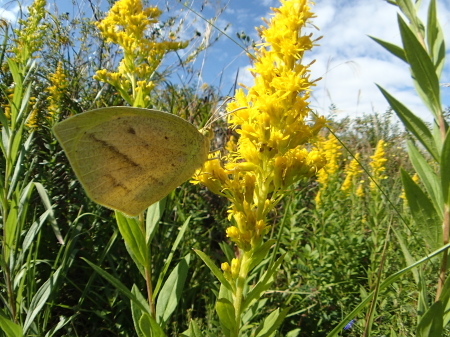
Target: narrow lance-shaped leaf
[(263, 284), (435, 38), (40, 298), (193, 331), (422, 69), (148, 325), (225, 311), (272, 322), (445, 169), (119, 286), (171, 292), (445, 299), (427, 176), (413, 124), (154, 213), (427, 219), (431, 322), (392, 48), (173, 249), (10, 328), (408, 9), (134, 238), (136, 312), (216, 271)]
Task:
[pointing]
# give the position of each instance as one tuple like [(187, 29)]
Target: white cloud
[(347, 59), (245, 76), (9, 13), (350, 62)]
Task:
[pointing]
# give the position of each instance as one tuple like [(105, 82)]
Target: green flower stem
[(239, 294), (148, 272), (148, 282), (446, 239)]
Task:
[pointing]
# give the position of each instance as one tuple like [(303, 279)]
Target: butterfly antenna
[(215, 116)]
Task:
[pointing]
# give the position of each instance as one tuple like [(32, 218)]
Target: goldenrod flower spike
[(352, 171), (273, 150), (378, 165), (331, 150), (30, 34), (127, 25)]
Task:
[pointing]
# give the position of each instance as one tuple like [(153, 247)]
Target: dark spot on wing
[(115, 150), (155, 181), (131, 130), (116, 184), (165, 137)]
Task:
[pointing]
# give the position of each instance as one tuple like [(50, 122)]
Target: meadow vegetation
[(342, 230)]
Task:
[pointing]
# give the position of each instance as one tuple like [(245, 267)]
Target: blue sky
[(347, 60)]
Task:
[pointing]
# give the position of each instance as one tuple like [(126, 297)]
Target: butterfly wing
[(129, 158)]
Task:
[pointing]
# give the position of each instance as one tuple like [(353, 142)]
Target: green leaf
[(10, 328), (119, 286), (131, 232), (271, 323), (169, 258), (253, 310), (260, 253), (435, 38), (149, 326), (413, 124), (192, 331), (407, 8), (49, 207), (263, 284), (427, 219), (406, 254), (422, 69), (154, 214), (427, 176), (422, 301), (445, 169), (226, 313), (445, 299), (392, 48), (144, 326), (136, 312), (214, 269), (11, 230), (171, 292), (296, 333), (40, 299), (431, 324), (387, 282)]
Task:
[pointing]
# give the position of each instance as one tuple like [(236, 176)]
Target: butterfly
[(128, 158)]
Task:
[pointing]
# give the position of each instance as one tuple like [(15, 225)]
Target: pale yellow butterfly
[(129, 158)]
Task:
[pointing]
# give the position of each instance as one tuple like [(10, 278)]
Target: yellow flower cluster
[(331, 149), (352, 171), (377, 165), (30, 35), (128, 25), (273, 149), (57, 90)]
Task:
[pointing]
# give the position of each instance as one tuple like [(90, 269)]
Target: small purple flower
[(349, 324)]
